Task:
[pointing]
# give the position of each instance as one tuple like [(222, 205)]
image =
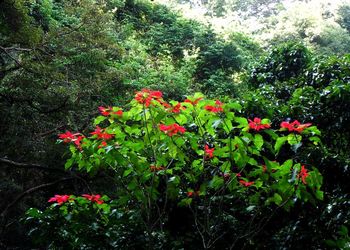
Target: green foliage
[(81, 224), (342, 240), (218, 56), (249, 49), (318, 93), (284, 62), (17, 25)]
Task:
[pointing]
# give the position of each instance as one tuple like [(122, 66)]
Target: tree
[(344, 16)]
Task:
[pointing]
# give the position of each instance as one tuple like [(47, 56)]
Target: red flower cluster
[(109, 110), (194, 102), (295, 126), (243, 182), (256, 124), (101, 134), (303, 174), (172, 129), (217, 108), (94, 198), (146, 96), (69, 137), (60, 199), (246, 183), (177, 108), (155, 169), (209, 152)]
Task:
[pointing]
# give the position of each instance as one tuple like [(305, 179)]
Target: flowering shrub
[(198, 154), (72, 222)]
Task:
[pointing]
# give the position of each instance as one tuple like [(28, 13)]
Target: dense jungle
[(178, 124)]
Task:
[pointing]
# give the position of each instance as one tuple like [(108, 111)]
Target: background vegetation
[(60, 60)]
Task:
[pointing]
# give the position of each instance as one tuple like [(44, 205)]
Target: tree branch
[(22, 195), (28, 166)]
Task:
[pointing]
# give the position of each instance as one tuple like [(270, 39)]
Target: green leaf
[(33, 212), (181, 119), (277, 199), (315, 139), (294, 139), (313, 130), (127, 172), (234, 105), (172, 151), (227, 126), (69, 163), (319, 194), (99, 119), (258, 141), (243, 122), (185, 202), (132, 185), (343, 230), (279, 143), (216, 182)]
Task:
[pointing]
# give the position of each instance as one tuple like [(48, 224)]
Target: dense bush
[(198, 155)]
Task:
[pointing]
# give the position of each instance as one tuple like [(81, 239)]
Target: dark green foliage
[(344, 16), (84, 225), (318, 93), (218, 56), (288, 60)]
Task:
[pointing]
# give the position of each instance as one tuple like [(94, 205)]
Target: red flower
[(94, 198), (177, 108), (119, 112), (256, 124), (194, 102), (192, 193), (264, 168), (215, 109), (77, 141), (145, 96), (303, 174), (164, 104), (103, 144), (69, 137), (246, 183), (101, 134), (109, 110), (60, 199), (172, 129), (209, 152), (104, 111), (218, 103), (155, 169), (295, 126)]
